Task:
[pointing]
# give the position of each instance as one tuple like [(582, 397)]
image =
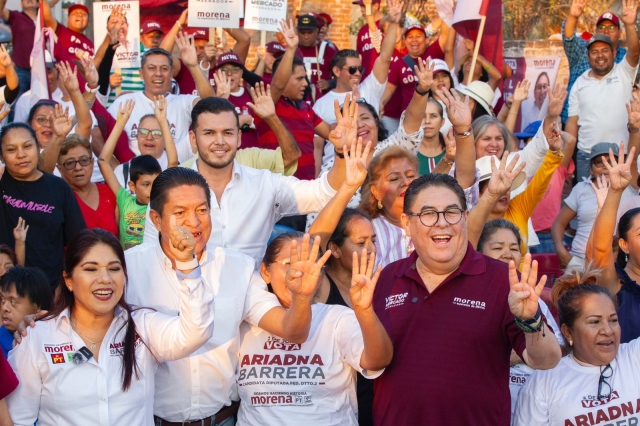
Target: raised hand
[(394, 10), (210, 52), (20, 231), (355, 91), (69, 76), (424, 73), (5, 58), (262, 104), (619, 171), (303, 276), (115, 80), (458, 110), (601, 188), (502, 177), (125, 110), (554, 138), (525, 291), (556, 100), (183, 245), (261, 52), (450, 146), (62, 123), (114, 23), (577, 8), (27, 321), (345, 133), (159, 108), (432, 12), (187, 49), (289, 34), (356, 160), (363, 280), (184, 16), (521, 93), (469, 44), (223, 84), (633, 112), (629, 11), (89, 71)]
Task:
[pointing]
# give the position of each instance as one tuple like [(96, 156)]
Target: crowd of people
[(331, 237)]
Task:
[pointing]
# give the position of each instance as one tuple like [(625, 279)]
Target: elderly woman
[(100, 355), (97, 202)]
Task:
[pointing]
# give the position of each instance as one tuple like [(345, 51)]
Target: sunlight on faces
[(441, 246), (97, 282), (78, 21), (149, 145), (503, 246), (392, 185), (14, 308), (600, 57), (188, 203), (152, 39), (20, 153), (142, 187), (216, 138), (360, 236), (367, 127), (29, 4), (596, 332), (43, 125), (502, 205), (490, 143), (416, 42), (79, 176), (5, 263), (297, 84), (269, 59), (467, 66), (199, 45), (156, 74), (433, 121)]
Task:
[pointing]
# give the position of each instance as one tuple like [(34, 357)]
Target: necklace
[(94, 345)]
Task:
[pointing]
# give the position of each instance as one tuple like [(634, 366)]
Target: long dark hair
[(77, 248), (624, 226), (441, 113), (383, 133)]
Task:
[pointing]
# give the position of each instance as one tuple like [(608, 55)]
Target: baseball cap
[(608, 16), (149, 27), (481, 92), (530, 131), (275, 48), (229, 58), (326, 17), (599, 38), (200, 35), (307, 22), (439, 66), (76, 7), (483, 164), (320, 20), (602, 148), (361, 3), (415, 27)]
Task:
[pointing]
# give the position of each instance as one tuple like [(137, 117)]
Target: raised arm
[(190, 60), (344, 134), (629, 16), (389, 90), (520, 95), (49, 20), (633, 125), (260, 66), (62, 125), (20, 235), (418, 105), (577, 7), (10, 71), (83, 115), (283, 73), (494, 74), (383, 62), (243, 42), (114, 23), (124, 112), (160, 111), (90, 74), (263, 107), (5, 11), (169, 39), (449, 53)]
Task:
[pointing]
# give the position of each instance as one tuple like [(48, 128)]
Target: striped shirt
[(131, 80), (392, 242)]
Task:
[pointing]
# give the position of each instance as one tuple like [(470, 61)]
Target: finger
[(521, 295), (526, 268), (363, 261), (533, 275), (513, 275), (374, 280), (371, 264), (315, 249), (367, 149), (325, 257), (541, 284), (355, 267)]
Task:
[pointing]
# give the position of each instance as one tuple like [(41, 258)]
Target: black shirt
[(628, 307), (51, 211)]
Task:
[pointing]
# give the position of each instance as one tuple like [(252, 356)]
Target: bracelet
[(462, 135), (179, 25), (448, 162), (421, 93), (90, 89), (526, 328), (487, 68), (632, 131), (535, 318), (185, 266), (338, 154)]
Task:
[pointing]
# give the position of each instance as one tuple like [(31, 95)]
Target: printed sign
[(264, 15), (128, 53), (214, 13)]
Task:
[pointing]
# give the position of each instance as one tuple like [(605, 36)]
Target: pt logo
[(57, 358)]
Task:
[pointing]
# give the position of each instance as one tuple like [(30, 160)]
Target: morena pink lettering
[(67, 347)]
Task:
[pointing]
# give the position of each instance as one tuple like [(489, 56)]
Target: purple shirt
[(23, 30)]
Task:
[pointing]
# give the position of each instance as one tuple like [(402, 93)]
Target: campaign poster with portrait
[(128, 52), (214, 13), (542, 72), (264, 15)]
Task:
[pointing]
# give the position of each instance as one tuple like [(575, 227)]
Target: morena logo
[(468, 303), (214, 15)]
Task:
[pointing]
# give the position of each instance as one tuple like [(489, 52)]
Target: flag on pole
[(39, 86), (466, 22)]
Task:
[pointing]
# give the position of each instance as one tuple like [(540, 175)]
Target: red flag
[(466, 22)]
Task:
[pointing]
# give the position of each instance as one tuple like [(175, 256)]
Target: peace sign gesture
[(524, 294), (363, 280), (303, 275), (619, 171), (502, 177)]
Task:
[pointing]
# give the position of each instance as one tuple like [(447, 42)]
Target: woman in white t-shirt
[(598, 383), (312, 383)]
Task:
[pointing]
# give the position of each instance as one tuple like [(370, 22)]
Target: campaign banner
[(128, 52), (214, 13), (542, 72), (264, 15)]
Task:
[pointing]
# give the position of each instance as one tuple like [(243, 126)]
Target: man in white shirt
[(156, 68), (597, 103), (201, 388), (247, 202)]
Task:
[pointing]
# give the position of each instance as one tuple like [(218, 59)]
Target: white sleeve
[(574, 101), (258, 300), (171, 337), (348, 337), (535, 151), (113, 109), (531, 408), (551, 322), (401, 138), (150, 231), (22, 108), (24, 402), (296, 196), (627, 70), (184, 150)]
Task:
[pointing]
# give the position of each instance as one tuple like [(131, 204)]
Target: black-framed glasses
[(227, 70), (352, 70), (451, 215), (605, 374), (607, 27), (155, 134), (71, 164)]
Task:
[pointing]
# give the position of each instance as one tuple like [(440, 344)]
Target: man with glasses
[(453, 320), (576, 48)]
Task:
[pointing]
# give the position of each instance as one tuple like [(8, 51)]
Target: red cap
[(608, 16), (200, 35), (320, 20), (275, 48), (149, 27), (229, 58), (415, 27), (76, 7), (326, 17)]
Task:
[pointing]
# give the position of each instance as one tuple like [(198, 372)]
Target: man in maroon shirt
[(453, 316), (23, 28), (72, 43)]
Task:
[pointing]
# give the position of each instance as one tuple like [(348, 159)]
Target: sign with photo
[(128, 52)]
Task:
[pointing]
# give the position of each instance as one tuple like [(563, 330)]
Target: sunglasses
[(71, 164), (353, 70), (155, 134)]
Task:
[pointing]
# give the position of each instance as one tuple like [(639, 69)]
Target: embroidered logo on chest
[(395, 300)]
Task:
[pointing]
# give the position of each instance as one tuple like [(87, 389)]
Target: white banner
[(264, 15), (128, 53), (214, 13)]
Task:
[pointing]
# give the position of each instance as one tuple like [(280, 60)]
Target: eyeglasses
[(155, 134), (43, 119), (71, 164), (429, 218), (605, 374), (228, 70), (607, 27), (352, 70), (542, 87), (287, 263)]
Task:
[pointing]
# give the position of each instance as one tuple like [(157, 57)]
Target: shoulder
[(140, 252), (229, 257)]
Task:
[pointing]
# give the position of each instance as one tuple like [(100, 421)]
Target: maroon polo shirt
[(239, 101), (451, 347), (23, 29), (185, 80)]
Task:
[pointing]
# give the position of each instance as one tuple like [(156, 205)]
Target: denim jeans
[(583, 165), (546, 244), (24, 75)]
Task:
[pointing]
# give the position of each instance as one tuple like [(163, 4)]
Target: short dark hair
[(143, 165), (275, 247), (41, 103), (173, 178), (14, 126), (156, 51), (491, 227), (624, 226), (431, 180), (5, 249), (72, 141), (383, 133), (214, 106), (340, 58), (343, 227), (297, 62), (31, 283)]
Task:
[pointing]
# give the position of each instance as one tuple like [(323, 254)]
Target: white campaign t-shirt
[(600, 106), (567, 394), (312, 383), (178, 113)]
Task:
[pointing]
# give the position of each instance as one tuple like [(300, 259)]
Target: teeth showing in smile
[(442, 237), (103, 293)]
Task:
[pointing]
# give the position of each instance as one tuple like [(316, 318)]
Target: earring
[(570, 342), (379, 205)]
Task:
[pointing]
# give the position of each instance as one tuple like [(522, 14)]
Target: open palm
[(619, 171), (525, 291), (303, 276), (363, 280)]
